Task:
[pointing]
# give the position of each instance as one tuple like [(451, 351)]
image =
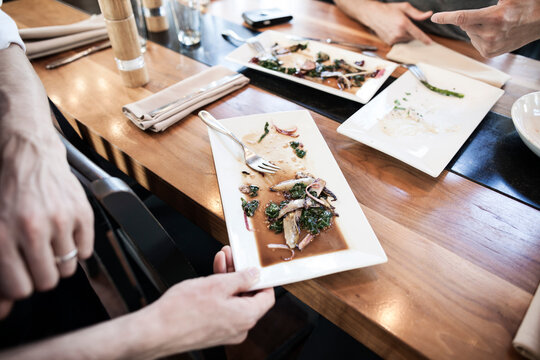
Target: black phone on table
[(266, 17)]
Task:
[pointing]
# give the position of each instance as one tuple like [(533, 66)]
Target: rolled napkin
[(168, 106), (37, 49), (527, 340), (443, 57), (48, 40), (94, 22)]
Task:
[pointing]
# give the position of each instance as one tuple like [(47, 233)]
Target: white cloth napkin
[(138, 112), (94, 22), (54, 39), (527, 340), (443, 57)]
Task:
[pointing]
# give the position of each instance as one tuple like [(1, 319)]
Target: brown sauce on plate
[(329, 240)]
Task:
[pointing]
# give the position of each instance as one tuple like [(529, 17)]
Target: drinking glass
[(187, 20), (139, 20)]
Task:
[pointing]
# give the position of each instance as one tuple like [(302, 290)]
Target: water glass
[(187, 20), (139, 20)]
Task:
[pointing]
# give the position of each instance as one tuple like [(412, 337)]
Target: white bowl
[(526, 117)]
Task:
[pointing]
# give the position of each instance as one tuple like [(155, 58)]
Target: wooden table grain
[(463, 260)]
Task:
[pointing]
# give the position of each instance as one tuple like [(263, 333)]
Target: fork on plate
[(252, 160), (252, 42), (415, 70)]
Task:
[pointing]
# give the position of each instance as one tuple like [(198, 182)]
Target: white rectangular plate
[(363, 246), (243, 54), (446, 123)]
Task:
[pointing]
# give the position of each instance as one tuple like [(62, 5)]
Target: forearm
[(22, 96), (360, 10), (134, 336)]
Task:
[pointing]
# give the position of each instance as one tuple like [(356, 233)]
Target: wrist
[(369, 8)]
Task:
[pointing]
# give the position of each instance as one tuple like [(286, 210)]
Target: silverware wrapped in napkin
[(527, 340), (48, 40), (166, 107)]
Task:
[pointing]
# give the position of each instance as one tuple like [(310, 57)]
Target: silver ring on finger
[(65, 258)]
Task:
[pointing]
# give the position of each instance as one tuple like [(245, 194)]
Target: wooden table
[(463, 260)]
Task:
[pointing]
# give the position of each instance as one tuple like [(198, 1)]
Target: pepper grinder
[(125, 43), (155, 14)]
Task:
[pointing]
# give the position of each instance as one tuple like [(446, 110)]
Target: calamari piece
[(291, 230), (301, 174), (317, 186), (295, 205), (288, 184), (327, 192), (306, 241)]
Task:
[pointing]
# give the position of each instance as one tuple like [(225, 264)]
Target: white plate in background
[(363, 246), (243, 54), (526, 118), (445, 125)]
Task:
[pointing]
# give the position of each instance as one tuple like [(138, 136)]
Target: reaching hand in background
[(497, 29), (392, 22)]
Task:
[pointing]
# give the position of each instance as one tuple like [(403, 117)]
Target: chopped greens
[(315, 219), (442, 91), (253, 190), (298, 191), (249, 207), (298, 148), (265, 132), (321, 57), (272, 210), (277, 226)]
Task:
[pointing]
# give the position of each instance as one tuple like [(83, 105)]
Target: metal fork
[(253, 160), (415, 70), (252, 42)]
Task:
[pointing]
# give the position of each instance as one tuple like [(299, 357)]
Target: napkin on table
[(138, 112), (527, 340), (47, 40), (435, 54)]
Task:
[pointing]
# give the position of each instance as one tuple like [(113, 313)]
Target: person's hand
[(223, 261), (497, 29), (44, 214), (210, 311), (392, 22)]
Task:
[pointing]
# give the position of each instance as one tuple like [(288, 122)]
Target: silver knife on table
[(78, 55), (344, 43)]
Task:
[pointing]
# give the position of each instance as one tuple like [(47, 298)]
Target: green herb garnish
[(253, 190), (321, 57), (442, 91), (277, 226), (298, 149), (298, 191), (399, 108), (272, 210), (249, 207), (265, 132), (315, 219)]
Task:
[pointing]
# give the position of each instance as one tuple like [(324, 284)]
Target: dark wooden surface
[(463, 260)]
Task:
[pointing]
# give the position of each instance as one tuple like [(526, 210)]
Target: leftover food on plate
[(292, 212), (298, 60)]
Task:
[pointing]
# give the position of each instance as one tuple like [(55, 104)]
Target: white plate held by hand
[(363, 248)]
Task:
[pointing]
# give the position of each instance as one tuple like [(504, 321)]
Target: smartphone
[(266, 17)]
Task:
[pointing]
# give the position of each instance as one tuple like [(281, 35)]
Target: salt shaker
[(155, 14), (125, 42)]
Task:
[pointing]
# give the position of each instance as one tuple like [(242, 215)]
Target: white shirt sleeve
[(8, 32)]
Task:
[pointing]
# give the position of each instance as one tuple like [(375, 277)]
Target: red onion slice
[(288, 132), (246, 221), (284, 247)]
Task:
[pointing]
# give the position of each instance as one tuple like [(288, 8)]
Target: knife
[(344, 43), (78, 55)]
